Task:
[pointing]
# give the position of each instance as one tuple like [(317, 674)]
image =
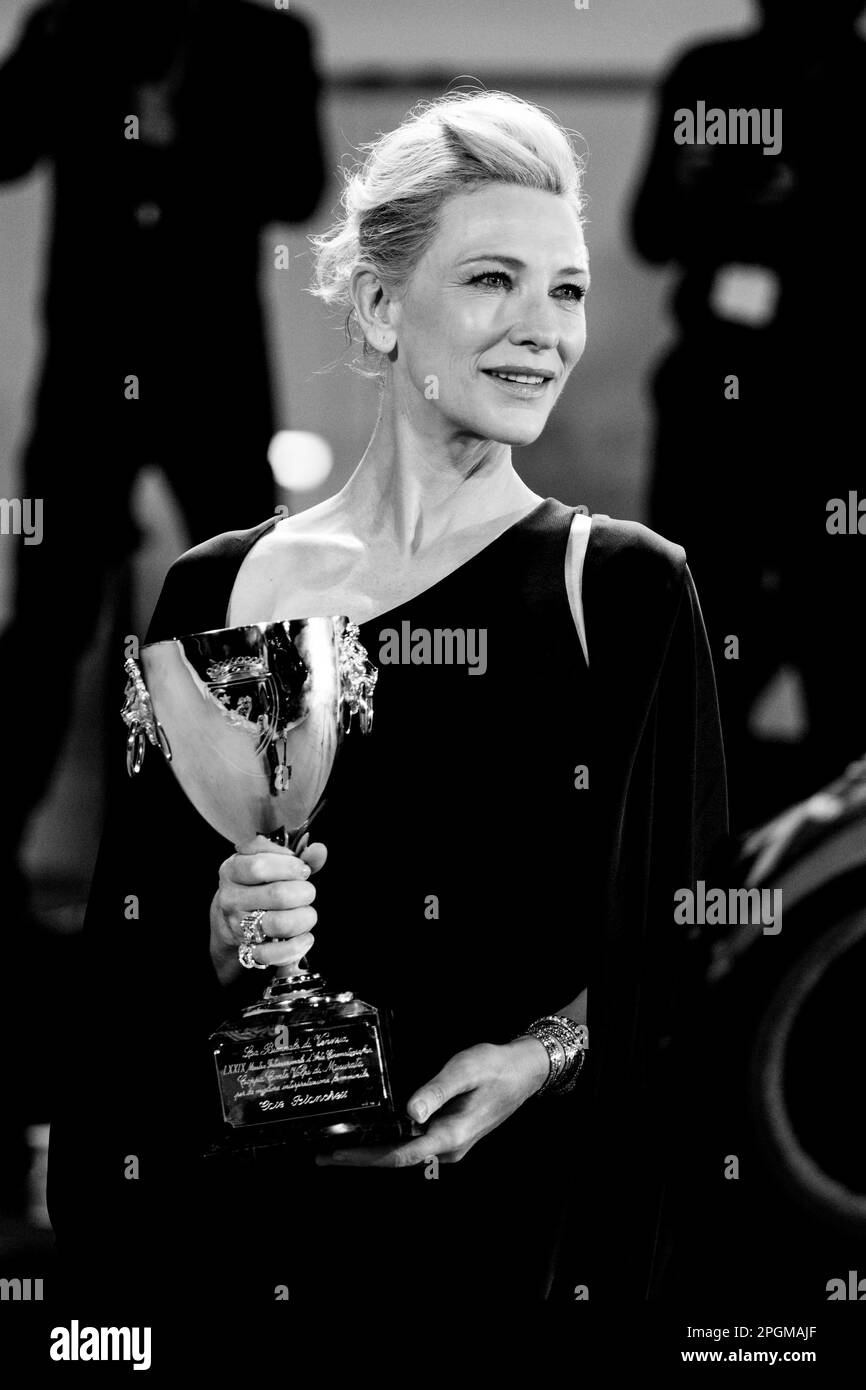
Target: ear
[(375, 309)]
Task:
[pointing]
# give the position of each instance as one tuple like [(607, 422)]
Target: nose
[(538, 325)]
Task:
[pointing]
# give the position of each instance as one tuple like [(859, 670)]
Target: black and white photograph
[(432, 688)]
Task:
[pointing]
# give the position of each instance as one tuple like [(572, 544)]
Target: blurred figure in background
[(757, 403), (176, 132), (152, 274)]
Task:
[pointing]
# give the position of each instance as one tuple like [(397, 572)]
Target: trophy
[(250, 720)]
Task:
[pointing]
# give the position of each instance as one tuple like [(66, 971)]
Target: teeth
[(524, 380)]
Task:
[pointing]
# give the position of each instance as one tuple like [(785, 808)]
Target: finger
[(289, 952), (440, 1139), (236, 903), (262, 842), (314, 856), (454, 1079), (285, 896), (281, 926), (436, 1143), (375, 1156), (264, 867), (304, 919)]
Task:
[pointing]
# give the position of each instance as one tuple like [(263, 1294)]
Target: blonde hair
[(391, 201)]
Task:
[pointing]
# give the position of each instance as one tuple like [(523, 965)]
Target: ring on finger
[(247, 959), (251, 927)]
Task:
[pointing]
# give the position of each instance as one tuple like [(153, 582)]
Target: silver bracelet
[(565, 1043)]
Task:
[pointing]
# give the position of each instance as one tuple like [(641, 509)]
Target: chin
[(499, 427), (521, 432)]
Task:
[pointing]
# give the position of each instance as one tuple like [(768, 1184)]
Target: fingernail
[(420, 1110), (339, 1156)]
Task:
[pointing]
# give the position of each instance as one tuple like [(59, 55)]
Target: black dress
[(465, 794)]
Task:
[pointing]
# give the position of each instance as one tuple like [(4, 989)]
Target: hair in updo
[(391, 201)]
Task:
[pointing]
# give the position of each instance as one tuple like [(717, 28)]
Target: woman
[(502, 851)]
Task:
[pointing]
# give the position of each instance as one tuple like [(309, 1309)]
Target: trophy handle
[(358, 678), (135, 746), (138, 716)]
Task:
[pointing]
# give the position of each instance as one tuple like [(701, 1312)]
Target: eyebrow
[(514, 264)]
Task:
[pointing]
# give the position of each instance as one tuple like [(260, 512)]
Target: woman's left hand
[(470, 1096)]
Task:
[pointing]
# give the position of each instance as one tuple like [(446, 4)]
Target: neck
[(411, 489)]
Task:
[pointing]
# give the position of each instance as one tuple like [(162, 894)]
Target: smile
[(527, 385)]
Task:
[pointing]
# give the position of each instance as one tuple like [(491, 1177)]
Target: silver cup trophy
[(250, 720)]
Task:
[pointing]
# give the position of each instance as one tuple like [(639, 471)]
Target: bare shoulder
[(297, 565), (319, 535)]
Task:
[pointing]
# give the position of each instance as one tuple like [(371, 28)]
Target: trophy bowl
[(251, 718)]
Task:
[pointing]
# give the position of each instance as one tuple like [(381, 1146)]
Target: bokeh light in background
[(301, 460)]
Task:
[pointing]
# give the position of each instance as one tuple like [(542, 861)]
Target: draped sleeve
[(661, 823)]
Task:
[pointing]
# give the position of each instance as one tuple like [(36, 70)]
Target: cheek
[(452, 342), (440, 338), (572, 347), (465, 331), (577, 339)]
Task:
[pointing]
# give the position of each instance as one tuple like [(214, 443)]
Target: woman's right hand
[(264, 875)]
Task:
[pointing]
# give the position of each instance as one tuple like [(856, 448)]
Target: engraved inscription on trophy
[(319, 1070)]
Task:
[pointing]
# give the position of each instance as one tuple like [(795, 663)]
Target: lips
[(520, 378), (519, 385)]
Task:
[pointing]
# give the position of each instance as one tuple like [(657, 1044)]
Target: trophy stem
[(298, 975), (289, 987), (288, 979)]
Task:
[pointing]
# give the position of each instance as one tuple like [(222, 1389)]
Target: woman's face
[(498, 293)]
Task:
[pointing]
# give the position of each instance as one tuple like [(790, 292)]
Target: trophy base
[(313, 1137), (306, 1067)]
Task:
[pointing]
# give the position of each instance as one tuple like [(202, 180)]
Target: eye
[(500, 277), (573, 292)]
